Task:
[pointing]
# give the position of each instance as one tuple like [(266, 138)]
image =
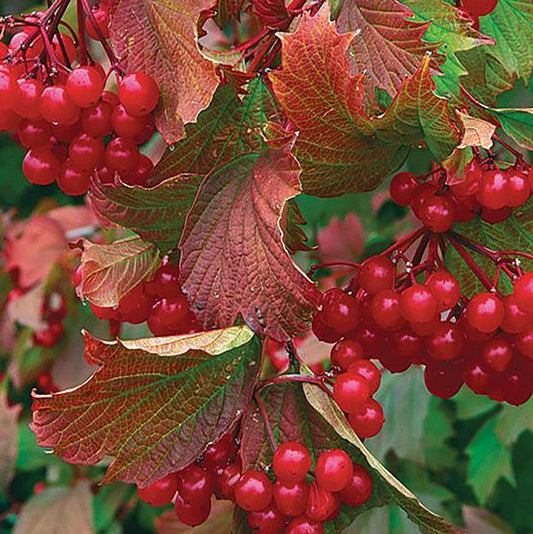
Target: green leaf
[(30, 456), (512, 421), (517, 123), (438, 430), (154, 404), (490, 460), (108, 501), (469, 405)]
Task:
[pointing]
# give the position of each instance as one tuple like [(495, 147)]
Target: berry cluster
[(55, 102), (490, 192), (297, 502), (160, 302)]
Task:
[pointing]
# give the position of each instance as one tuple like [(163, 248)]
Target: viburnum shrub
[(243, 106)]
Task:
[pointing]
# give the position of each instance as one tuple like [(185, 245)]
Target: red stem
[(264, 415), (81, 35)]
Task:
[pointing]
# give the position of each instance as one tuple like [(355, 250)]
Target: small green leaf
[(469, 405), (108, 501), (512, 421)]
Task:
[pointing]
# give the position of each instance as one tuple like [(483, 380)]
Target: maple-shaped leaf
[(233, 258), (339, 147), (112, 270), (387, 45), (160, 38), (154, 404)]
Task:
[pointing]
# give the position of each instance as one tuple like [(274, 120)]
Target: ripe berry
[(444, 379), (136, 305), (195, 484), (72, 181), (304, 525), (322, 504), (160, 493), (402, 188), (27, 98), (518, 188), (34, 134), (405, 344), (496, 216), (523, 292), (138, 93), (369, 372), (445, 289), (368, 421), (340, 311), (291, 462), (41, 166), (517, 388), (126, 125), (350, 391), (359, 489), (485, 312), (58, 107), (291, 498), (514, 319), (174, 313), (333, 470), (376, 274), (219, 454), (141, 174), (49, 336), (9, 120), (6, 90), (494, 190), (345, 353), (385, 309), (192, 513), (497, 353), (225, 480), (253, 492), (268, 521), (524, 343), (96, 120), (422, 193), (86, 152), (479, 8), (54, 308), (477, 377), (104, 313), (322, 331), (418, 303), (122, 155), (445, 343), (437, 214), (101, 17), (85, 85)]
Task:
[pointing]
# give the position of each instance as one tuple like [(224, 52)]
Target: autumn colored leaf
[(387, 44), (355, 152), (228, 9), (341, 239), (233, 258), (160, 38), (58, 510), (153, 409), (476, 132), (112, 270), (291, 224)]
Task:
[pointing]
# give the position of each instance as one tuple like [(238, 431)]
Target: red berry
[(479, 8), (322, 331), (437, 214), (369, 372), (160, 493), (494, 190), (518, 188), (376, 274), (141, 174), (96, 120), (496, 216), (126, 125), (405, 344), (422, 193), (136, 305), (322, 504), (514, 319), (340, 311), (68, 46), (58, 107), (445, 289), (253, 491), (122, 155), (368, 421), (221, 453), (350, 391), (385, 309), (291, 497), (523, 292), (304, 525), (444, 379), (524, 343), (174, 312), (86, 152), (291, 462), (268, 521), (9, 120), (195, 484), (471, 182), (345, 353), (49, 336), (65, 133), (359, 489), (101, 18), (402, 188), (445, 343), (138, 93), (485, 312), (105, 313), (192, 513), (27, 98), (6, 90), (54, 308), (225, 480), (517, 388), (333, 470), (497, 354), (418, 303), (72, 181), (85, 85), (41, 166), (477, 377), (34, 134)]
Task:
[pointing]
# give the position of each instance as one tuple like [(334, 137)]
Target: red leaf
[(386, 45), (272, 13), (160, 38), (233, 257), (355, 152), (341, 239), (154, 404)]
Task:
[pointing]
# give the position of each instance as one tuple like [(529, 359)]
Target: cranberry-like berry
[(523, 292), (291, 462), (6, 90), (494, 190), (291, 498), (49, 336), (423, 192), (445, 289), (219, 454), (518, 188), (485, 312), (496, 216), (103, 313), (514, 318), (345, 353), (57, 106), (340, 311), (444, 379), (368, 421), (385, 309), (73, 181), (418, 304), (376, 274), (138, 93), (350, 391), (160, 493), (126, 125), (85, 85), (497, 354), (524, 343), (402, 188), (41, 166), (268, 521), (477, 377), (136, 305), (225, 480), (101, 17), (253, 491), (192, 513), (445, 343), (359, 489), (322, 331), (321, 504), (304, 525), (174, 312), (27, 98), (437, 214), (517, 387), (479, 8), (96, 120), (369, 372), (333, 470), (34, 134), (86, 152), (122, 155), (406, 345), (141, 174), (195, 484)]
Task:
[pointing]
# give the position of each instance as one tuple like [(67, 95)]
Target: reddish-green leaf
[(387, 45), (154, 404), (160, 38), (339, 147), (112, 270), (233, 257)]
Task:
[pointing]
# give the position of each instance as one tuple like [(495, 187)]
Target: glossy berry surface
[(253, 491), (160, 493), (291, 462), (333, 470), (138, 93)]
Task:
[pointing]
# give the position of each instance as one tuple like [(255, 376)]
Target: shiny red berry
[(376, 274), (160, 493), (85, 85), (359, 489), (345, 353), (291, 497), (485, 312), (138, 93), (418, 304), (350, 391), (368, 421), (445, 289), (333, 470), (369, 372), (291, 462)]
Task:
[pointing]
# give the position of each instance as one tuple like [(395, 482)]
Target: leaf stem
[(264, 415)]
